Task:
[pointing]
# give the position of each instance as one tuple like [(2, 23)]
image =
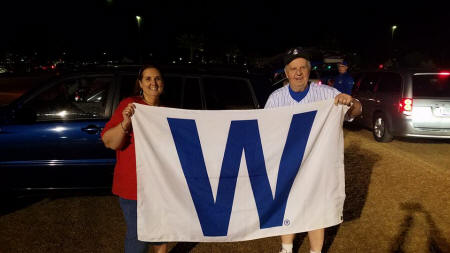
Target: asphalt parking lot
[(397, 201)]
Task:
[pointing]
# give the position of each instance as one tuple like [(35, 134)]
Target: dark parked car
[(50, 137), (409, 103)]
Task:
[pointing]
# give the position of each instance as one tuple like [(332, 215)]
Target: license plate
[(445, 111)]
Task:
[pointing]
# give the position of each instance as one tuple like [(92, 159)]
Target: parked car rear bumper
[(404, 127)]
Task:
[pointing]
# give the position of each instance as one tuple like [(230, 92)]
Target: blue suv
[(50, 137)]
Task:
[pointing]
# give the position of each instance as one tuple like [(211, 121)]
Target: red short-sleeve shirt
[(124, 181)]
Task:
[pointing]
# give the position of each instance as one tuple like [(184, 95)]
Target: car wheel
[(380, 129)]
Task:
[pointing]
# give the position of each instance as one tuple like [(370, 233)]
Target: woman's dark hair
[(137, 87)]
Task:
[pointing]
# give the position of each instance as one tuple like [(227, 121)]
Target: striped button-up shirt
[(282, 97)]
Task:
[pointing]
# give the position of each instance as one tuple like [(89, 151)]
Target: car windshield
[(434, 85)]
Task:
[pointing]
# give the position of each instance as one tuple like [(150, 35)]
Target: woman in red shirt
[(118, 135)]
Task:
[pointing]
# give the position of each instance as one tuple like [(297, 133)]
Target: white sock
[(310, 251), (287, 247)]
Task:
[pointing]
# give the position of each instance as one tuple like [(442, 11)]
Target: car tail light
[(405, 106)]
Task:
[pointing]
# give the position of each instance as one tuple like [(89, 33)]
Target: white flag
[(237, 175)]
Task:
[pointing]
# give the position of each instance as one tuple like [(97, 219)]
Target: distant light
[(62, 114), (53, 66), (138, 18), (394, 27), (380, 66), (181, 59)]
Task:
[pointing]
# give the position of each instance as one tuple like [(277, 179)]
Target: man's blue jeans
[(132, 244)]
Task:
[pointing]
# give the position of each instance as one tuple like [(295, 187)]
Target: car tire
[(380, 129)]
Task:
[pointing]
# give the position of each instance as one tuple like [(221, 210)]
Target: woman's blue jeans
[(132, 244)]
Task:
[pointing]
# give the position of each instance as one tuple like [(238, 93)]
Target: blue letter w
[(243, 135)]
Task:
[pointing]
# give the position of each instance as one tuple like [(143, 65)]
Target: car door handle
[(91, 129)]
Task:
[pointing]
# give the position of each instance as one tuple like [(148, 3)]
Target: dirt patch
[(397, 201)]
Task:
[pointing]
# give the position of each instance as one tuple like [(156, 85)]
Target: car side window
[(368, 82), (191, 94), (73, 99), (227, 93), (171, 96), (389, 83), (127, 87), (357, 78)]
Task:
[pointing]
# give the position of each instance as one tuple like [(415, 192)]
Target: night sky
[(256, 29)]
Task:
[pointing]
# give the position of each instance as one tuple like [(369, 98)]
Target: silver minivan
[(408, 103)]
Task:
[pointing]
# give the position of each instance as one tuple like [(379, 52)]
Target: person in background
[(301, 91), (344, 81), (118, 135)]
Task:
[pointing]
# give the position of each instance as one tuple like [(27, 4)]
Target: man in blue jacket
[(344, 81)]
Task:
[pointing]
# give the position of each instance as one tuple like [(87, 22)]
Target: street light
[(139, 20), (393, 29)]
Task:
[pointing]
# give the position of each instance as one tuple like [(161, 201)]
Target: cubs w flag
[(238, 175)]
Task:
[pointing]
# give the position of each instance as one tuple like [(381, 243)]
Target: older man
[(301, 91)]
